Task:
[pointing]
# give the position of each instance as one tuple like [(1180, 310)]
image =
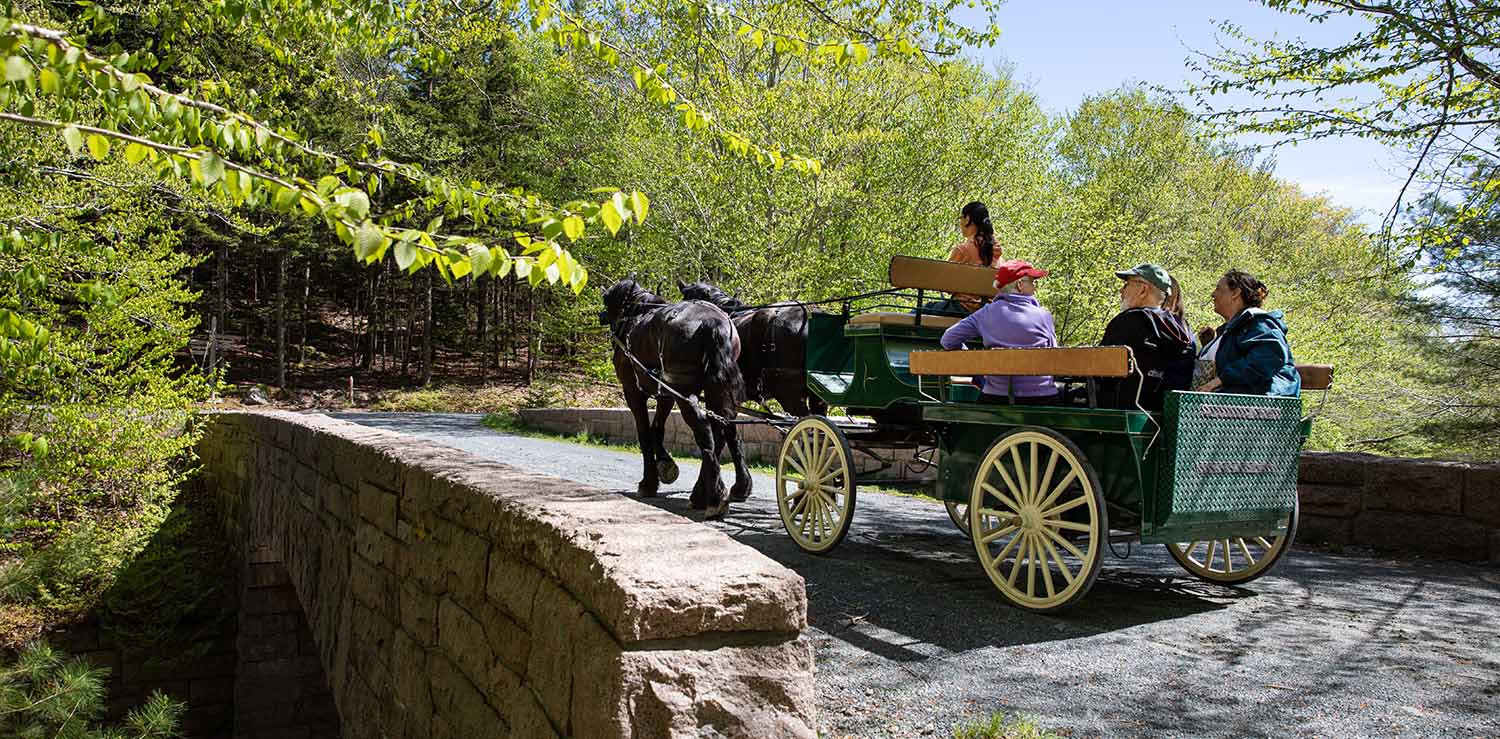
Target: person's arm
[(1124, 329), (1051, 330), (1265, 352), (960, 332)]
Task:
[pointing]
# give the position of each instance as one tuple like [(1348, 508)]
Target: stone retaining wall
[(448, 596), (1446, 509)]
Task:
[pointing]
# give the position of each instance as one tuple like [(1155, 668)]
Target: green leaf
[(406, 254), (210, 167), (501, 266), (355, 203), (639, 204), (573, 227), (17, 69), (73, 138), (98, 147), (610, 216), (368, 239), (480, 257), (50, 82), (136, 153), (522, 268)]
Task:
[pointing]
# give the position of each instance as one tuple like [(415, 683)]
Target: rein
[(716, 418)]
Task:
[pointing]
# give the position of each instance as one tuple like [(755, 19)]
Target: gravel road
[(912, 640)]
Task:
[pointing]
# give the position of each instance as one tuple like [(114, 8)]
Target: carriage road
[(912, 640)]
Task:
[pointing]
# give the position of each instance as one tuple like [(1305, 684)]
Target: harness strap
[(716, 418)]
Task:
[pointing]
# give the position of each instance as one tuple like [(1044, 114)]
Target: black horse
[(775, 348), (690, 346)]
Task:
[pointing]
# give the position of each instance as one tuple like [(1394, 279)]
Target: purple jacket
[(1011, 322)]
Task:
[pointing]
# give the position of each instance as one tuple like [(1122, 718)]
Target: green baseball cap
[(1151, 273)]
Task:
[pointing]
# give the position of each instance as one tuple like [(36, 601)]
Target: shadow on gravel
[(907, 588)]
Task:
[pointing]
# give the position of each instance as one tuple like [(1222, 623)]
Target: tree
[(1418, 75)]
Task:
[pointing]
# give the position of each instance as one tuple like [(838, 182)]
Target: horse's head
[(712, 294), (627, 298)]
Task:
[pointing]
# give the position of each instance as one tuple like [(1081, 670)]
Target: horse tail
[(720, 366)]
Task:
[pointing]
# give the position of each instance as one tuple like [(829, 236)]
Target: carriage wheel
[(1236, 559), (959, 512), (815, 484), (1037, 519)]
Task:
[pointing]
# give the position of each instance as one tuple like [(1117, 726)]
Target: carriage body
[(1213, 471)]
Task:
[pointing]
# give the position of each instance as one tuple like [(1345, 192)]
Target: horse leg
[(638, 409), (709, 490), (742, 482), (666, 467)]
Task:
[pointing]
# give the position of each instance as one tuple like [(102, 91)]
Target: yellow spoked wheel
[(815, 484), (959, 512), (1236, 559), (1037, 519)]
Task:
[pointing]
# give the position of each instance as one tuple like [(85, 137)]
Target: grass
[(1001, 726), (544, 392)]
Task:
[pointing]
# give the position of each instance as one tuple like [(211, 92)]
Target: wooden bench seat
[(903, 319), (1077, 361), (936, 274)]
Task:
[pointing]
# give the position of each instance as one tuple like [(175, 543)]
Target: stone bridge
[(422, 591)]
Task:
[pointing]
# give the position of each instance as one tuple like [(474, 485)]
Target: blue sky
[(1065, 50)]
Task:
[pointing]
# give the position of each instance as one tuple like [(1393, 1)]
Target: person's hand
[(1210, 386)]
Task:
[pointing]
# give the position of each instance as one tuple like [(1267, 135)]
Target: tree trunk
[(281, 319), (306, 292), (427, 331), (534, 337), (404, 345), (482, 329), (221, 310), (372, 318)]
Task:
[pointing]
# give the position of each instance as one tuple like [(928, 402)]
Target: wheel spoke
[(1000, 558), (1014, 506), (1009, 483), (1245, 550), (1228, 557), (1061, 486), (1020, 469), (1031, 491), (1046, 480), (1046, 566), (997, 533), (801, 504), (1262, 541), (1071, 526), (1031, 565), (1068, 545), (1213, 547), (1061, 565), (1070, 505), (1015, 568)]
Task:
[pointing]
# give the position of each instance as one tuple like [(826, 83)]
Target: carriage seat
[(904, 319), (1073, 361)]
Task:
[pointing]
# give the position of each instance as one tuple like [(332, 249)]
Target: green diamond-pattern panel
[(1229, 454)]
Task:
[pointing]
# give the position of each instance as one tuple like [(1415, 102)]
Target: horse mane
[(713, 294), (627, 298)]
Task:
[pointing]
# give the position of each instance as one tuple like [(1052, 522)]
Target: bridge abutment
[(447, 596)]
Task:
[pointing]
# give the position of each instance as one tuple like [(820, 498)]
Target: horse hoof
[(645, 491), (667, 470), (717, 512), (739, 495)]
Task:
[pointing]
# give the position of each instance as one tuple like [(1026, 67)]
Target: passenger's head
[(974, 222), (1174, 304), (1017, 277), (1236, 291), (1145, 286)]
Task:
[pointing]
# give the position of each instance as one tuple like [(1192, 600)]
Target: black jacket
[(1164, 352)]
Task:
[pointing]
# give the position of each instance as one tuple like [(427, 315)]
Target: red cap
[(1014, 269)]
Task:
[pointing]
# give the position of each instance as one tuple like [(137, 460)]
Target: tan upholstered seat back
[(1316, 376), (935, 274), (1074, 361), (903, 319)]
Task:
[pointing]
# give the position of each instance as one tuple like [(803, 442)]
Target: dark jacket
[(1163, 351), (1254, 357)]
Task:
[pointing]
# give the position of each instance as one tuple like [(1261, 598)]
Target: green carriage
[(1042, 491)]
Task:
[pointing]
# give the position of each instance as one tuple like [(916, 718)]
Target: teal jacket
[(1254, 357)]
